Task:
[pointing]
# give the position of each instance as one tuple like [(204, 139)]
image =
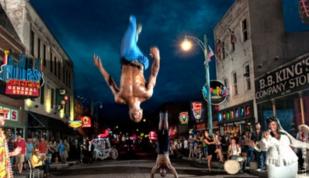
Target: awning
[(38, 121)]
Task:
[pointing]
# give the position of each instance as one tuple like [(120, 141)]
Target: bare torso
[(132, 84)]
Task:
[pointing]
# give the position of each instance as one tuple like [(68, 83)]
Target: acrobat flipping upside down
[(163, 162), (133, 88)]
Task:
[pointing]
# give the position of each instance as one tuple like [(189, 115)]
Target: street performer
[(133, 88), (163, 162)]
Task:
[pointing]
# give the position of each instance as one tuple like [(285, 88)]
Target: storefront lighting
[(48, 102), (61, 113), (72, 109), (28, 102)]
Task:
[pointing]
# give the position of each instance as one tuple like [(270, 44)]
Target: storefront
[(16, 118), (44, 126), (284, 93), (235, 120)]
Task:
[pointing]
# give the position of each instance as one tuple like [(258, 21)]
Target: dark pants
[(261, 159), (250, 156)]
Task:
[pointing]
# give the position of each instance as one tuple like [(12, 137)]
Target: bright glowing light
[(144, 120), (186, 45), (72, 109), (28, 102), (48, 101), (61, 114)]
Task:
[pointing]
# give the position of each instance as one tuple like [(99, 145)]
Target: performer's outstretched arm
[(109, 80), (155, 54), (173, 170), (153, 170)]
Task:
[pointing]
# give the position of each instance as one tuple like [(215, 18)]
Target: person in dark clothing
[(261, 154), (163, 162)]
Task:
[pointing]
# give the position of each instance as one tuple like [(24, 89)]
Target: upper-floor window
[(235, 87), (223, 50), (244, 27), (55, 65), (39, 48), (32, 42), (226, 84), (51, 63), (44, 55), (247, 76)]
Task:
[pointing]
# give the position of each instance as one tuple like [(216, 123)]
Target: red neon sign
[(86, 121), (22, 88)]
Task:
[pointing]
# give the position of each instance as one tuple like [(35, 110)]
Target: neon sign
[(86, 122), (184, 118), (218, 92), (21, 78), (197, 109)]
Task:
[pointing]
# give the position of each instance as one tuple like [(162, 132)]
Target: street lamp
[(186, 45)]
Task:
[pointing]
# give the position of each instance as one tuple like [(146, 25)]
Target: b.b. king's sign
[(286, 79)]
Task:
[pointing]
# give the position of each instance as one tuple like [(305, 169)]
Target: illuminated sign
[(86, 122), (197, 109), (9, 113), (21, 77), (236, 113), (75, 124), (183, 117), (218, 92), (304, 10), (153, 135), (22, 88)]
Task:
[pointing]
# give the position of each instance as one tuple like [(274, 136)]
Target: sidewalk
[(53, 166)]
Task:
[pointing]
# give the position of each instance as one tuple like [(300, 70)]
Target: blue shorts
[(129, 49)]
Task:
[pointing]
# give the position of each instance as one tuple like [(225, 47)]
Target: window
[(233, 40), (226, 84), (42, 95), (223, 50), (59, 69), (55, 65), (247, 76), (32, 42), (39, 48), (52, 98), (244, 30), (235, 83), (44, 55), (50, 59)]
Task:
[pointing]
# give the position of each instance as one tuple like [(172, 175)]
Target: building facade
[(235, 67), (56, 101), (251, 41), (12, 107)]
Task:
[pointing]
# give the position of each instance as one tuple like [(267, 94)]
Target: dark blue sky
[(84, 27)]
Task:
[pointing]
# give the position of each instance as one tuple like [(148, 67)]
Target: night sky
[(84, 27)]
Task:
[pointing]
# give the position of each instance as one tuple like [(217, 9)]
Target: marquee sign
[(197, 110), (22, 88), (218, 92), (21, 78), (183, 118), (289, 78)]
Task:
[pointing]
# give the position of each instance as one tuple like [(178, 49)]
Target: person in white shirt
[(281, 161)]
